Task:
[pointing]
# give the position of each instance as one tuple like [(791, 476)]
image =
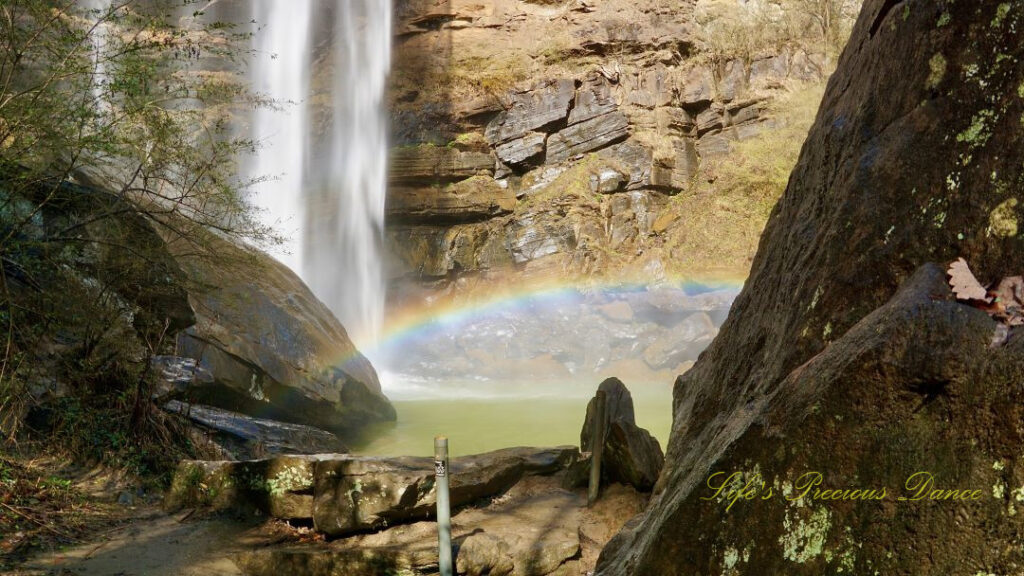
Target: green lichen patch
[(1002, 221), (937, 71), (979, 132), (804, 539)]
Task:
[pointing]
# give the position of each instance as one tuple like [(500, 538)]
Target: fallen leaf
[(963, 283)]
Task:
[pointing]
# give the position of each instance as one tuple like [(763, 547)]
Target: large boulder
[(825, 365), (345, 494), (631, 455), (272, 347), (359, 494), (618, 408)]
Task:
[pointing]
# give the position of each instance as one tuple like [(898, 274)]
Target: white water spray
[(281, 72), (328, 151)]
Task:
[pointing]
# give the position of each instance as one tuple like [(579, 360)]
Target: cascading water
[(281, 71), (326, 147), (345, 208), (98, 9)]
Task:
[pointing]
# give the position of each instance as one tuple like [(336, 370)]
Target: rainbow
[(408, 323)]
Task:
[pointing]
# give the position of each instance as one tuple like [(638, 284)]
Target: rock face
[(827, 365), (272, 347), (349, 494), (631, 455), (558, 101)]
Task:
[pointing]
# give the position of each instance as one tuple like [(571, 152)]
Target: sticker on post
[(439, 468)]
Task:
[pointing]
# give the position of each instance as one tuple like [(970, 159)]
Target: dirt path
[(152, 545)]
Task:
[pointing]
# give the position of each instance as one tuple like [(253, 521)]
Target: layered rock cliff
[(578, 138), (846, 354)]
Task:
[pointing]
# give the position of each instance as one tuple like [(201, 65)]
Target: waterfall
[(98, 9), (281, 71), (328, 149)]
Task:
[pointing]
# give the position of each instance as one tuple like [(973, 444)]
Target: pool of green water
[(480, 424)]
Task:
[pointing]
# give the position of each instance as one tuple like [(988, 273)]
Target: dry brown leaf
[(963, 283)]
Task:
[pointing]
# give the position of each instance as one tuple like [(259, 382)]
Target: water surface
[(484, 416)]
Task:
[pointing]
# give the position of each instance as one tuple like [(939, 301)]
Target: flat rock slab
[(533, 530), (346, 494), (252, 435)]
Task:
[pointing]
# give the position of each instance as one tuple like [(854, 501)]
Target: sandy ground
[(153, 544)]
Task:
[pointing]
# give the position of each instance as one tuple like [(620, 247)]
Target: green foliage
[(724, 219), (745, 30), (115, 142)]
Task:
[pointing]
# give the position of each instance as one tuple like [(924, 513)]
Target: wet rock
[(248, 437), (358, 494), (533, 109), (587, 136), (470, 200)]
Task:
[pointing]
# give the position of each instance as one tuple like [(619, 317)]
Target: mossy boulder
[(826, 365)]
